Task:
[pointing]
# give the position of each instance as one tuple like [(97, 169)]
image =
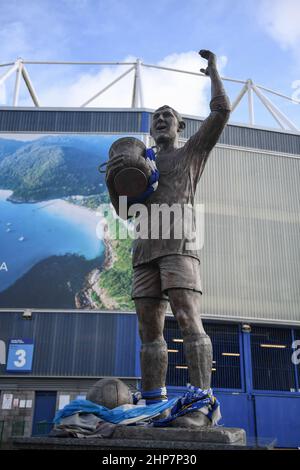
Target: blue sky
[(258, 39)]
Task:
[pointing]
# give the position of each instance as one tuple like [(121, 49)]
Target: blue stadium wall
[(259, 387)]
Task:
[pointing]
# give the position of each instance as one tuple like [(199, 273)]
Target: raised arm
[(207, 136)]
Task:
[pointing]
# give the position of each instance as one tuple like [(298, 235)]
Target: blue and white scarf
[(124, 414), (150, 157), (195, 399)]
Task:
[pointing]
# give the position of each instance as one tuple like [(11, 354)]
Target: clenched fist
[(211, 61)]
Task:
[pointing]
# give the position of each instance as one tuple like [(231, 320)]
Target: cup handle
[(100, 167)]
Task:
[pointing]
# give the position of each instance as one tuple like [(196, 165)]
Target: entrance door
[(45, 405)]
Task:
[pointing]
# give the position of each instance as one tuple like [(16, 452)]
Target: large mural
[(56, 248)]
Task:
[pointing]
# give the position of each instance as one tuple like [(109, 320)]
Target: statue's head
[(166, 124)]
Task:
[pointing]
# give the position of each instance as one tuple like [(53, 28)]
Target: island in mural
[(55, 245)]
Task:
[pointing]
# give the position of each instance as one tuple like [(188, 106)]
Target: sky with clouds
[(257, 39)]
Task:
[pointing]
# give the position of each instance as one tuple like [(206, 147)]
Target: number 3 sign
[(20, 354)]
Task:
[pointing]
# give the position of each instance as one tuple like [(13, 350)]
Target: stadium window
[(271, 351), (226, 361)]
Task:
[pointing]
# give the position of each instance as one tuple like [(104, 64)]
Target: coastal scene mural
[(56, 248)]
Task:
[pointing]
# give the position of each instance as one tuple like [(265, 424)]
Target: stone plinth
[(137, 437)]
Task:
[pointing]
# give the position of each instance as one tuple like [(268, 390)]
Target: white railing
[(249, 88)]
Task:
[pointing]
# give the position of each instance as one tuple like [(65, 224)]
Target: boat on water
[(21, 239)]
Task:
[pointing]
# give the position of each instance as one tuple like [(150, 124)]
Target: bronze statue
[(168, 269)]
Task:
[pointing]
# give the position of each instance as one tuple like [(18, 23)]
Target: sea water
[(30, 233)]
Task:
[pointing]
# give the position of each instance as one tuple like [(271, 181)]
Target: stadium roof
[(248, 88)]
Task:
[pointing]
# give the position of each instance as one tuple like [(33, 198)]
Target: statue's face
[(165, 125)]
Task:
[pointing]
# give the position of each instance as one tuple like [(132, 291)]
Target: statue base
[(140, 437)]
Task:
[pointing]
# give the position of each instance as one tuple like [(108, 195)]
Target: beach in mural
[(30, 233), (55, 249)]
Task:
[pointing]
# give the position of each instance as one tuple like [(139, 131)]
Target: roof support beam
[(250, 102), (140, 83), (30, 87), (278, 94), (137, 93), (107, 87), (17, 83), (8, 73), (276, 113), (239, 97)]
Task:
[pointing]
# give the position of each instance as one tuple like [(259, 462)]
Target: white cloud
[(281, 19), (186, 93)]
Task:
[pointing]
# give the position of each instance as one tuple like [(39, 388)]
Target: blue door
[(45, 405)]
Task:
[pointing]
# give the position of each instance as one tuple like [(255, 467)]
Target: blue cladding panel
[(39, 120), (75, 344), (145, 122), (237, 411), (226, 355), (69, 121), (271, 353), (278, 418), (226, 368), (125, 357)]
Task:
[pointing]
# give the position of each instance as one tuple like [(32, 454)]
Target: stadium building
[(250, 268)]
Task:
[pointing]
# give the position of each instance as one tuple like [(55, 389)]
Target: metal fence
[(271, 366), (271, 351), (226, 370)]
